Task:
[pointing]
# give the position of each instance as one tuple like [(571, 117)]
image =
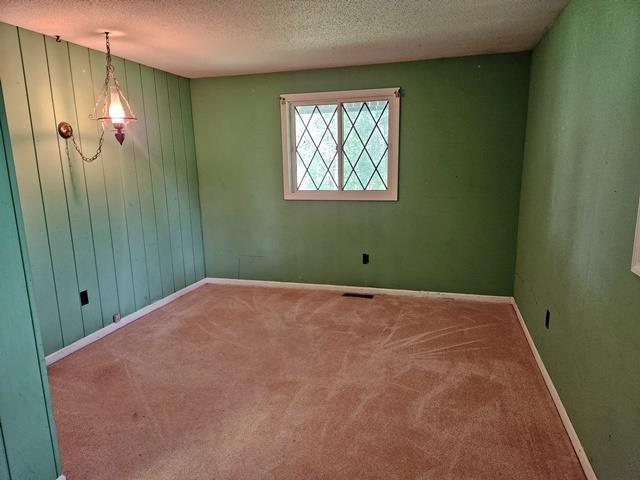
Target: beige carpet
[(266, 383)]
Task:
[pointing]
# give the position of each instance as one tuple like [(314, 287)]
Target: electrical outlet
[(84, 297), (547, 319), (116, 317), (365, 258)]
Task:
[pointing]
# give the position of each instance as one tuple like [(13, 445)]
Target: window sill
[(370, 196)]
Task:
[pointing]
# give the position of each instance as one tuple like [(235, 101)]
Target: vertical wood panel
[(181, 177), (74, 182), (51, 184), (170, 179), (111, 159), (133, 215), (138, 138), (86, 132), (19, 126), (192, 177), (157, 177)]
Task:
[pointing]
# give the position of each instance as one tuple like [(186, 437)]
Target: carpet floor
[(235, 382)]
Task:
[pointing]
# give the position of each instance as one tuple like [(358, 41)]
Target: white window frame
[(287, 104), (635, 263)]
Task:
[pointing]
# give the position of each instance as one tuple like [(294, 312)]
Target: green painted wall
[(28, 445), (454, 226), (580, 192), (125, 227)]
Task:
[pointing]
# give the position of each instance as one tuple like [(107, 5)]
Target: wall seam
[(153, 194), (164, 179), (199, 203), (64, 184), (44, 209), (135, 168), (175, 166), (146, 253), (86, 188), (104, 184), (184, 140)]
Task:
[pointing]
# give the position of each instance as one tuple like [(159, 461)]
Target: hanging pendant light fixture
[(112, 108)]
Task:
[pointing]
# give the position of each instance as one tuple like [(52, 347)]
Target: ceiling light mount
[(111, 108)]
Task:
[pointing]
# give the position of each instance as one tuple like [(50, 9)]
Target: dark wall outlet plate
[(547, 319), (84, 297), (365, 258)]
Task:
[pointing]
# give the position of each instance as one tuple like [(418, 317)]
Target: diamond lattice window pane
[(380, 181), (365, 145), (316, 147), (302, 112)]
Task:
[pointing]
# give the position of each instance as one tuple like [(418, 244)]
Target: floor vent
[(357, 295)]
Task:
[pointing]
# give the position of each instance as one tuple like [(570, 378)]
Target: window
[(341, 145), (635, 264)]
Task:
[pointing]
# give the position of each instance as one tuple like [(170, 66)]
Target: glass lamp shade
[(113, 108)]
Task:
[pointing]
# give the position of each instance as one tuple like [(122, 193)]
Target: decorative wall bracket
[(65, 130)]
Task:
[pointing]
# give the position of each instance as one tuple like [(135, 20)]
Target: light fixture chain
[(77, 147), (108, 44), (109, 67)]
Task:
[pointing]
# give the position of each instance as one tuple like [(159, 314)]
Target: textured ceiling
[(199, 38)]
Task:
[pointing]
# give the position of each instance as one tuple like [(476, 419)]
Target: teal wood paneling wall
[(125, 227), (579, 206), (28, 446), (454, 225)]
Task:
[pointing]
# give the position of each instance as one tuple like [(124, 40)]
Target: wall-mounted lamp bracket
[(65, 130)]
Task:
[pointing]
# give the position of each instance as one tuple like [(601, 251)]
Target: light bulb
[(116, 112)]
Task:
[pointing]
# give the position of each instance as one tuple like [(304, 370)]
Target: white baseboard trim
[(365, 290), (103, 332), (566, 421), (61, 477)]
